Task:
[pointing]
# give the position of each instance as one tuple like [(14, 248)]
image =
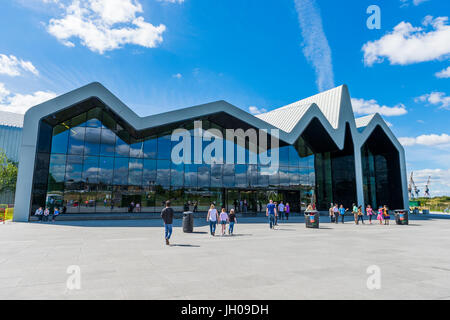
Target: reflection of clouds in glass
[(108, 137), (136, 165), (77, 133), (74, 149), (123, 150), (58, 171)]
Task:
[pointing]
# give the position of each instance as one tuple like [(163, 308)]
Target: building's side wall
[(10, 138)]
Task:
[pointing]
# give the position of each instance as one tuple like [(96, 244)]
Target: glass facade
[(96, 163), (381, 171)]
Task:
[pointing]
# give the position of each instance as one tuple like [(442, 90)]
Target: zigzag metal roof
[(10, 119), (329, 103), (332, 108)]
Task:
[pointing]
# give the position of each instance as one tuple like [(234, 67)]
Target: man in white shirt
[(281, 210)]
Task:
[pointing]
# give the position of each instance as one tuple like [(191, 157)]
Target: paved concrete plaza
[(129, 260)]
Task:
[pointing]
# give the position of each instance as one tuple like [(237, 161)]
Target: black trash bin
[(312, 219), (188, 222), (401, 216)]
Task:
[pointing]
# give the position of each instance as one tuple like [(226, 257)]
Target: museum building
[(88, 152)]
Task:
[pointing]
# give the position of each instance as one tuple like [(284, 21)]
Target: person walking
[(223, 220), (369, 212), (342, 211), (167, 216), (281, 210), (355, 212), (271, 212), (287, 210), (276, 216), (212, 217), (336, 213), (46, 214), (55, 214), (38, 213), (360, 215), (232, 218), (380, 215), (331, 213), (386, 215)]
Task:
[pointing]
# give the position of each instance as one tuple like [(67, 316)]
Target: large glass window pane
[(74, 169), (92, 141), (76, 141), (57, 168), (263, 177), (284, 176), (120, 171), (150, 146), (190, 175), (284, 155), (252, 175), (294, 176), (60, 139), (87, 204), (122, 148), (78, 121), (241, 176), (106, 170), (45, 135), (216, 175), (108, 121), (149, 174), (294, 159), (103, 200), (228, 175), (94, 117), (135, 172), (137, 149), (203, 176), (108, 142), (164, 147), (177, 175), (90, 170), (163, 173), (72, 201), (56, 176)]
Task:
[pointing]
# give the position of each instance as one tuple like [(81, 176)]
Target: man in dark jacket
[(167, 216)]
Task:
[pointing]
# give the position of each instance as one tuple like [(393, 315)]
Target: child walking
[(380, 215), (360, 215), (223, 220), (386, 215), (233, 220), (369, 212)]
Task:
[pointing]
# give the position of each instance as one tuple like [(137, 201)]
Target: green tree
[(8, 173)]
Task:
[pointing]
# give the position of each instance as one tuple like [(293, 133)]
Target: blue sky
[(160, 55)]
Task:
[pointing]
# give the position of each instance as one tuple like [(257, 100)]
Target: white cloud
[(177, 76), (443, 73), (426, 140), (316, 48), (12, 66), (20, 103), (256, 110), (104, 25), (407, 44), (414, 2), (435, 98), (364, 107), (172, 1)]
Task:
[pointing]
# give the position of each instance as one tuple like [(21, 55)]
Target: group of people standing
[(44, 214), (275, 211), (223, 219), (337, 212)]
